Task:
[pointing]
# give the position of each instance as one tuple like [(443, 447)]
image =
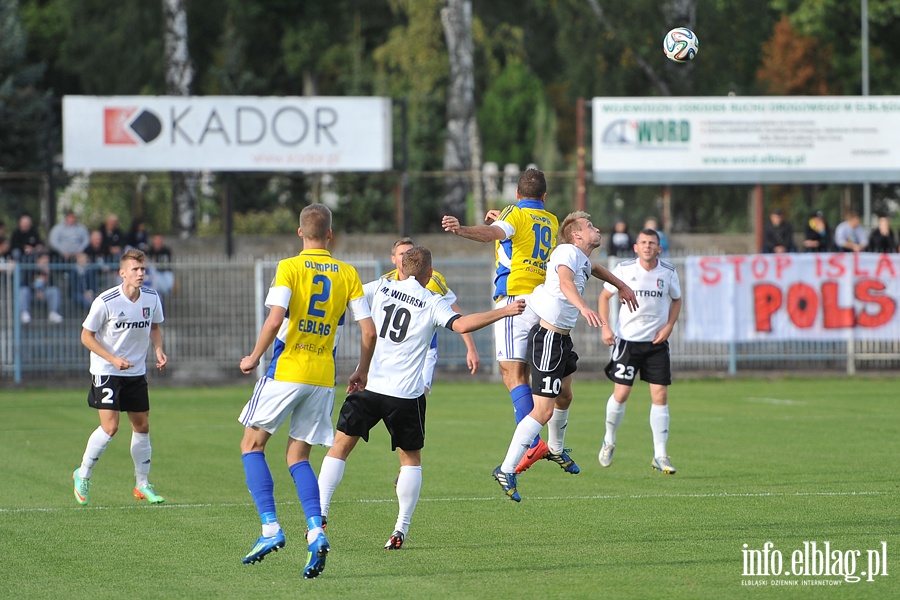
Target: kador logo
[(129, 126)]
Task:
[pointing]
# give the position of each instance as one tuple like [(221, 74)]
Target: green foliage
[(508, 115), (101, 47), (280, 220), (743, 449), (24, 110)]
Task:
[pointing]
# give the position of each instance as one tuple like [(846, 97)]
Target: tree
[(794, 64), (462, 147), (179, 76)]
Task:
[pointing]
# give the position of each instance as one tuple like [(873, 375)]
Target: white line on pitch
[(485, 499)]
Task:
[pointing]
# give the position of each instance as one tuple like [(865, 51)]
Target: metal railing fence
[(215, 309)]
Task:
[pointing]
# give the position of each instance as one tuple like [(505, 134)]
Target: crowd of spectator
[(76, 263)]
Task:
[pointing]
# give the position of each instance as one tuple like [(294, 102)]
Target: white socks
[(659, 425), (409, 484), (524, 435), (615, 412), (556, 430), (97, 443), (330, 476), (140, 453)]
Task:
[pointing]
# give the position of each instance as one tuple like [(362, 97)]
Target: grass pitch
[(789, 461)]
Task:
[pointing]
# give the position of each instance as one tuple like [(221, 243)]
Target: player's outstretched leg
[(523, 403), (315, 562), (263, 546), (564, 461)]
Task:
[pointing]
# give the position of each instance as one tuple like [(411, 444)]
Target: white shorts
[(309, 407), (511, 333)]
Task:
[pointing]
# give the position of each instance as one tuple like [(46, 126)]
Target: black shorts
[(652, 360), (404, 418), (552, 357), (124, 394)]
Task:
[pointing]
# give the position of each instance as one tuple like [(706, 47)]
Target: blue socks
[(262, 488), (523, 404), (260, 484), (307, 491)]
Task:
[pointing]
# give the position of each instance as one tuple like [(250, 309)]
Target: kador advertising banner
[(226, 133), (792, 297)]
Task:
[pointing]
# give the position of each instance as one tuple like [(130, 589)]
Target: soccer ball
[(681, 44)]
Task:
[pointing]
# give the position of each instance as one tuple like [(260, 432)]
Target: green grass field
[(784, 461)]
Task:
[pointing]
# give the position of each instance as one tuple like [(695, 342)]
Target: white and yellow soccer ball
[(681, 45)]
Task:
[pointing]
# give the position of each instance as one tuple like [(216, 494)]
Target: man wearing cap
[(778, 235)]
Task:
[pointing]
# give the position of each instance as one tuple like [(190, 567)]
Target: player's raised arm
[(476, 321), (478, 233)]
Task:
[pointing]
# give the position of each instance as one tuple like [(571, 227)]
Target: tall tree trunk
[(179, 76), (460, 153)]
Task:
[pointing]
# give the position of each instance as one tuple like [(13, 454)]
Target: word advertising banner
[(226, 133), (758, 297), (750, 140)]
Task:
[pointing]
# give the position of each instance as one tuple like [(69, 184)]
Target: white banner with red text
[(812, 297), (227, 133)]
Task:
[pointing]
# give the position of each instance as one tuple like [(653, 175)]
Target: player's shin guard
[(659, 425), (259, 482), (330, 475), (96, 446), (615, 412), (523, 404), (409, 485), (141, 452), (526, 431), (307, 489)]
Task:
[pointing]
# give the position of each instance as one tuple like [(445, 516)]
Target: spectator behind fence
[(26, 242), (653, 223), (850, 235), (91, 269), (38, 286), (113, 238), (817, 237), (160, 276), (620, 241), (6, 262), (778, 235), (137, 235), (68, 238), (882, 238)]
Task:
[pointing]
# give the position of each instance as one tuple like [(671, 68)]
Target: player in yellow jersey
[(308, 298), (524, 234), (438, 285)]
